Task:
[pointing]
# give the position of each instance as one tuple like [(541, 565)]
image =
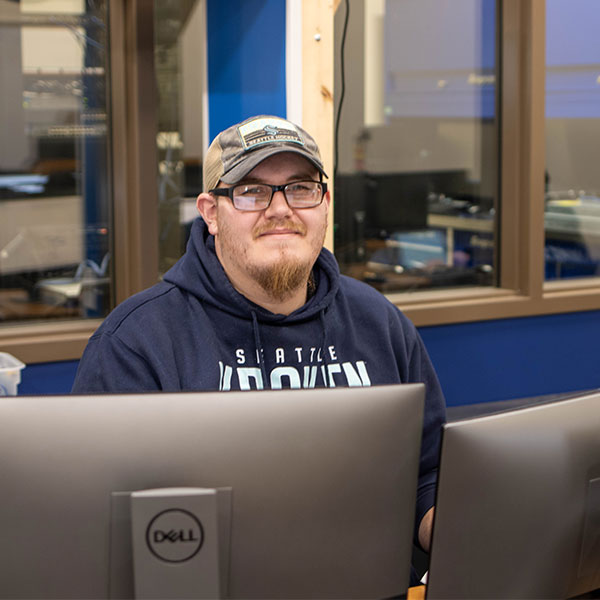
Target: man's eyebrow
[(296, 177)]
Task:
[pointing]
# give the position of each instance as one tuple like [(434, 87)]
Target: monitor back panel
[(324, 485), (518, 504)]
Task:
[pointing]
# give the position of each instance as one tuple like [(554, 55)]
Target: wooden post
[(317, 84)]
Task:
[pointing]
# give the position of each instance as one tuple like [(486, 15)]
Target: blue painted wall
[(476, 362), (515, 358), (246, 60), (48, 378)]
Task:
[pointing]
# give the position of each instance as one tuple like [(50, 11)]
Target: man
[(256, 302)]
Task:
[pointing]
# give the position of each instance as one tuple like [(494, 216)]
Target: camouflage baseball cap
[(240, 148)]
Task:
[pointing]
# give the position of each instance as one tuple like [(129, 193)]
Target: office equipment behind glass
[(55, 161), (323, 486), (408, 230)]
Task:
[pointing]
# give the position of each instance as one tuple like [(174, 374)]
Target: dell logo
[(174, 535)]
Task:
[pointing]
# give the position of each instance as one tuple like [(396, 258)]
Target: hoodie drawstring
[(324, 347), (258, 344)]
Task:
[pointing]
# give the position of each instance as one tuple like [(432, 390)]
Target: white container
[(10, 374)]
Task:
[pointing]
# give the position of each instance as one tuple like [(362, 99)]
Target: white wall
[(403, 144), (193, 83), (400, 144)]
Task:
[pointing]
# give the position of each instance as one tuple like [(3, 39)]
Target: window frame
[(133, 107), (522, 289)]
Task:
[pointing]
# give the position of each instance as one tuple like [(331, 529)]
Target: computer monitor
[(518, 504), (323, 480), (376, 205)]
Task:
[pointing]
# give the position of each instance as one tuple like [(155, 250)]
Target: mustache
[(284, 224)]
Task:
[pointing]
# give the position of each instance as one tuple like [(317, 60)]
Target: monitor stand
[(170, 543), (589, 568)]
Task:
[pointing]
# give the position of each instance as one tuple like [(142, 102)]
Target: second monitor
[(518, 504)]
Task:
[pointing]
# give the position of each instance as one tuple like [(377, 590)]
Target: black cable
[(342, 90)]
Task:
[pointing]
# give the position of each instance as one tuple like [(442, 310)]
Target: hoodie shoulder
[(136, 307), (363, 292), (367, 300)]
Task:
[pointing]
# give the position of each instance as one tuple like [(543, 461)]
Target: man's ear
[(327, 200), (207, 207)]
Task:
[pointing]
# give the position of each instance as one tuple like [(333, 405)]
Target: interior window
[(180, 42), (572, 211), (55, 199), (416, 143)]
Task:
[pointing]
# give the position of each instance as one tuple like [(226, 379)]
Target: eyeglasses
[(258, 196)]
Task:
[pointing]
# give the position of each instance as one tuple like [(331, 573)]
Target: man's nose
[(279, 206)]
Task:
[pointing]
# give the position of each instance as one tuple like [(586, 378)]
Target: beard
[(281, 279), (284, 275)]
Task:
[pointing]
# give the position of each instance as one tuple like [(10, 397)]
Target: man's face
[(278, 246)]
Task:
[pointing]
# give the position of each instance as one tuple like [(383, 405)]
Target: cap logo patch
[(265, 131)]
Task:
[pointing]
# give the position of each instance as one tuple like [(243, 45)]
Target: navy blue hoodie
[(194, 331)]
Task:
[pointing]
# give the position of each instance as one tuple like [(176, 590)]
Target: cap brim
[(253, 159)]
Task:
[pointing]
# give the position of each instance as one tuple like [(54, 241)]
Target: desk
[(453, 223), (416, 593), (15, 305)]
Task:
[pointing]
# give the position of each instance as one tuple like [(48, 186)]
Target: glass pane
[(180, 43), (417, 145), (54, 180), (572, 215)]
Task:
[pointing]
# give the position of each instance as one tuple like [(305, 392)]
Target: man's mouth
[(280, 232)]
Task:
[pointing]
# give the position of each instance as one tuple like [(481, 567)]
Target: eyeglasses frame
[(228, 192)]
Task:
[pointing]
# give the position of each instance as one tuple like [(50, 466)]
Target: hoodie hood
[(200, 273)]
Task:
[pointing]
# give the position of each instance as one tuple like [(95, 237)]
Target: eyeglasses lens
[(251, 197), (302, 194)]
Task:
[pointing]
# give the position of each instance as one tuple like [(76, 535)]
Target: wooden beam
[(317, 83), (134, 153)]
